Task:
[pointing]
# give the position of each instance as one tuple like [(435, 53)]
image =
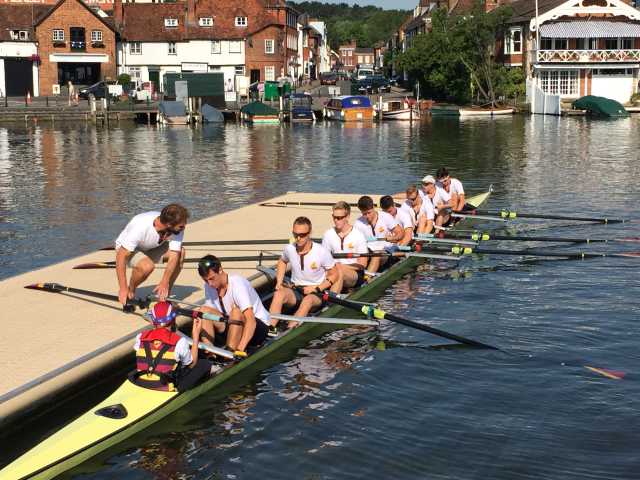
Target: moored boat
[(132, 408), (349, 108), (172, 113), (458, 111), (258, 112), (400, 109), (297, 107)]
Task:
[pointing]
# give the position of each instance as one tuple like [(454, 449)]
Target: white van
[(364, 73)]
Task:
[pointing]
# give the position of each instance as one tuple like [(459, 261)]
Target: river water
[(385, 403)]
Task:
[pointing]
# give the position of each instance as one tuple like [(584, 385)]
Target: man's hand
[(278, 286), (162, 290), (309, 289), (196, 329), (124, 295)]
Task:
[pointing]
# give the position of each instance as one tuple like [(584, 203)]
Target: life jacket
[(155, 360)]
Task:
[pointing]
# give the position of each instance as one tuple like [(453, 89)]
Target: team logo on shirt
[(350, 245), (381, 229), (314, 266)]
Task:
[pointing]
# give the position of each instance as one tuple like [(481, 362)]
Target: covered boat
[(600, 106), (298, 107), (211, 114), (258, 112), (172, 113), (349, 108), (400, 109)]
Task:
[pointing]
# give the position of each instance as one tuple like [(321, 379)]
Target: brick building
[(74, 44), (347, 60)]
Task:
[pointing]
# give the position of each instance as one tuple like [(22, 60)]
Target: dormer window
[(241, 21), (206, 22), (171, 22), (19, 35)]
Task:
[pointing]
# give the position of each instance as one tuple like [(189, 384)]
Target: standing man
[(157, 236), (402, 216), (344, 238), (379, 228), (313, 270), (233, 296), (453, 187)]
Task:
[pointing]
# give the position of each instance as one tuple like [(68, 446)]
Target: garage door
[(18, 76), (614, 84)]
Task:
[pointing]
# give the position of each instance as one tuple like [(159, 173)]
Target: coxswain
[(453, 187), (157, 236), (248, 321), (379, 228), (402, 216), (313, 270), (439, 198), (344, 238), (164, 360)]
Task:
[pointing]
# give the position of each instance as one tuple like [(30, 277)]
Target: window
[(171, 22), (627, 43), (206, 22), (215, 46), (96, 36), (239, 69), (135, 48), (172, 48), (270, 72), (241, 21), (349, 53), (235, 46), (58, 35), (513, 41), (135, 73), (269, 46), (546, 43), (559, 82), (560, 44)]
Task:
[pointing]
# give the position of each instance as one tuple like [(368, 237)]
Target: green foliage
[(509, 82), (367, 24), (124, 79), (455, 60)]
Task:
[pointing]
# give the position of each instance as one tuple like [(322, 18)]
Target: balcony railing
[(588, 56)]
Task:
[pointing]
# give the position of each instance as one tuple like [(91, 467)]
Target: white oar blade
[(339, 321)]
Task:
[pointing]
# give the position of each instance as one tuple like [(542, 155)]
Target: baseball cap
[(428, 179)]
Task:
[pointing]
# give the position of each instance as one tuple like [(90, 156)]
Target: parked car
[(373, 84), (328, 78), (101, 90)]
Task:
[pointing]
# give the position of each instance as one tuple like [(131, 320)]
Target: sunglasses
[(300, 235), (205, 265), (339, 217)]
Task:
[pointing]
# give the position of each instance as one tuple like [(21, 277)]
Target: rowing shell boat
[(132, 408)]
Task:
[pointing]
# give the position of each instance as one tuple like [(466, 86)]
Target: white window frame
[(239, 69), (171, 22), (269, 72), (96, 36), (135, 73), (58, 35), (269, 46), (206, 21), (234, 43), (241, 21), (172, 48), (509, 44), (565, 83), (23, 35), (216, 47), (135, 48)]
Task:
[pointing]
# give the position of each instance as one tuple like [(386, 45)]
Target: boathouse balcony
[(588, 56)]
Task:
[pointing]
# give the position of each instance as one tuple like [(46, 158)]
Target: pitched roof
[(525, 10), (416, 22), (20, 17), (51, 10)]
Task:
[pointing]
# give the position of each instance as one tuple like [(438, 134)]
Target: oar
[(508, 214), (381, 314), (537, 253), (205, 243), (130, 307), (486, 236), (430, 238)]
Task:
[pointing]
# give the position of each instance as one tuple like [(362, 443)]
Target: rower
[(379, 228), (313, 270), (164, 360), (232, 296), (439, 198), (343, 238), (453, 187), (157, 236), (402, 216)]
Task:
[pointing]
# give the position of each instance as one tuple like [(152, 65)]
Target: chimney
[(118, 14), (191, 12)]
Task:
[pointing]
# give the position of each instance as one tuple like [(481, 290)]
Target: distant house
[(364, 56), (585, 48), (347, 56)]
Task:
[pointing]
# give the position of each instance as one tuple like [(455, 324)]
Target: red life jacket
[(155, 359)]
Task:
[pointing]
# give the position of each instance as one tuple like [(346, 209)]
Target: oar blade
[(612, 374), (92, 266), (46, 287)]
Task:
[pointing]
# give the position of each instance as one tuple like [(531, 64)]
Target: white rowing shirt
[(404, 218), (353, 242), (441, 196), (141, 235), (239, 293), (408, 207), (384, 226), (456, 187), (311, 268)]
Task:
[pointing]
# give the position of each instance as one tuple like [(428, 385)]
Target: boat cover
[(600, 106), (172, 109), (259, 109), (211, 114)]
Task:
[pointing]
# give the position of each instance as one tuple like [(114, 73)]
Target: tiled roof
[(416, 22), (364, 51), (51, 10), (525, 10), (20, 17)]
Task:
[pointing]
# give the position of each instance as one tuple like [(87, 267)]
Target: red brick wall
[(72, 14), (255, 57)]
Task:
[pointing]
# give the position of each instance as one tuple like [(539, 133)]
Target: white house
[(324, 50)]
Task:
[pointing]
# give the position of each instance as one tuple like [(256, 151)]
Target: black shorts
[(259, 335), (360, 280)]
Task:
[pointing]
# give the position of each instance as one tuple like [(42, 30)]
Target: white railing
[(588, 55)]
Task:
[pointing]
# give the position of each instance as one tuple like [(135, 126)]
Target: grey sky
[(386, 4)]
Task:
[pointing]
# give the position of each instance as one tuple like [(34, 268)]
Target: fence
[(541, 102)]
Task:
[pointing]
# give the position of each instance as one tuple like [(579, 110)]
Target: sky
[(386, 4)]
